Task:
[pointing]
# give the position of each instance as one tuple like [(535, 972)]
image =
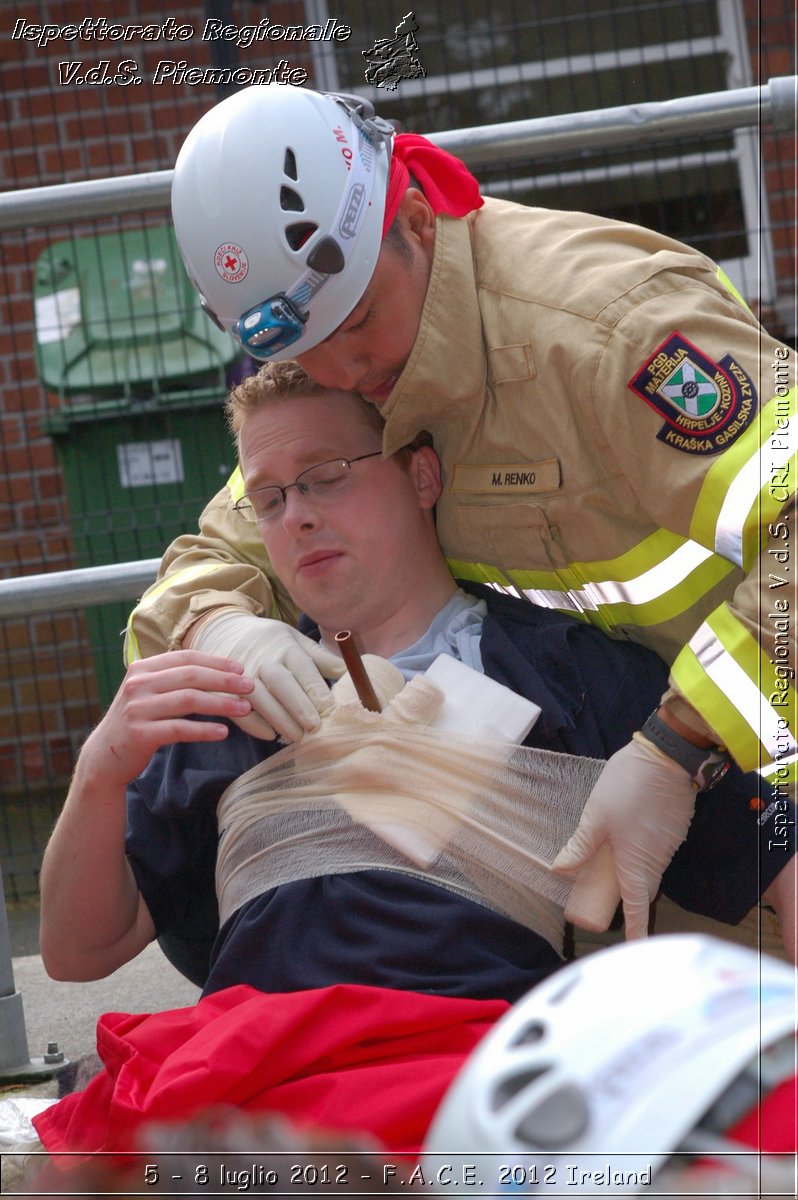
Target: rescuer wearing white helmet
[(601, 397), (308, 223)]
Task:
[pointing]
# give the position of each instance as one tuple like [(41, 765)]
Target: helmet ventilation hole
[(511, 1085), (533, 1031), (296, 235), (290, 201), (289, 165)]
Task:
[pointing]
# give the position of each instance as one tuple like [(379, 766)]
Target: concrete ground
[(67, 1013)]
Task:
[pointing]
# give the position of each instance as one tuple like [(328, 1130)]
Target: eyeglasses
[(321, 481)]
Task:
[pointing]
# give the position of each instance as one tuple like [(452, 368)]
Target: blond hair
[(273, 381), (281, 381)]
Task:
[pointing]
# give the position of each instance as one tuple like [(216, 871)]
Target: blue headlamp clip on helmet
[(270, 327)]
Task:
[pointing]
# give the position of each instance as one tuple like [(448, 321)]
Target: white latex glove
[(642, 806), (289, 671)]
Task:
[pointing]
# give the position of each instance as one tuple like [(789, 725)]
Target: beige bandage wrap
[(384, 791)]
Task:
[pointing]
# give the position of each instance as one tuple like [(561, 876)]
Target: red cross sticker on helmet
[(231, 262)]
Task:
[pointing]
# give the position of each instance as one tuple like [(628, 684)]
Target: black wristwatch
[(705, 764)]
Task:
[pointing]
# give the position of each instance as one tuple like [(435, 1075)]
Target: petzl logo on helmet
[(350, 221), (231, 262)]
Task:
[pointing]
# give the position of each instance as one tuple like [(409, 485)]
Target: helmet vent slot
[(533, 1031), (290, 201), (289, 165), (296, 235), (511, 1085)]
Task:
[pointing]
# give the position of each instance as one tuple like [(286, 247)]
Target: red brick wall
[(52, 134), (772, 26)]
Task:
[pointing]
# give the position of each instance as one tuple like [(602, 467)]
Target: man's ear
[(416, 217), (425, 472)]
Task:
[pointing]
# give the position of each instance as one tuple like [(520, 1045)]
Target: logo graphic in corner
[(394, 59), (231, 262), (706, 405)]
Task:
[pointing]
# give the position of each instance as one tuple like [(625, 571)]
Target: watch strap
[(704, 764)]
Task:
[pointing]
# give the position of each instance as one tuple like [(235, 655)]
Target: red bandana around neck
[(446, 182)]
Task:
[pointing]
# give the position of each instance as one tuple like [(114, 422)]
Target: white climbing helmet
[(616, 1062), (278, 200)]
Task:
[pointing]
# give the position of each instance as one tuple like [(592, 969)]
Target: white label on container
[(57, 315), (142, 464)]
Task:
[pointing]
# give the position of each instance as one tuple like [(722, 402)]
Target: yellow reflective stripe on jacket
[(729, 286), (481, 573), (654, 582), (235, 485), (744, 490), (724, 673), (133, 653), (493, 578), (133, 649)]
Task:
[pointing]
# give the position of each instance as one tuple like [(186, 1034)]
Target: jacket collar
[(450, 332)]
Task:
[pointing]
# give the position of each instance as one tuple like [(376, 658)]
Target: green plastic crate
[(117, 316), (141, 374)]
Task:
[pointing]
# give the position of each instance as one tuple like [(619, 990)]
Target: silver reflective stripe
[(570, 601), (658, 580), (706, 646), (745, 488), (741, 692), (780, 763), (652, 584), (505, 589)]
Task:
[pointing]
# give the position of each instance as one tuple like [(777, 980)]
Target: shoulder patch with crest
[(706, 404)]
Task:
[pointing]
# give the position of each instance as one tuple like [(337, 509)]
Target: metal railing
[(78, 589), (82, 588), (771, 103)]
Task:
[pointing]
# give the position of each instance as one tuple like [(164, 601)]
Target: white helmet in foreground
[(278, 200), (597, 1076)]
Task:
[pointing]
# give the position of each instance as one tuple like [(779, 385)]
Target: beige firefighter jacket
[(617, 436)]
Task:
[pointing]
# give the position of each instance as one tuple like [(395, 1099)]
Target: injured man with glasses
[(359, 906)]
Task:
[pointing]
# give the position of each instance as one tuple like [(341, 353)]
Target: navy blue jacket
[(385, 928)]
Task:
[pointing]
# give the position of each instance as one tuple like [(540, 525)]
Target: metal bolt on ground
[(16, 1063)]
